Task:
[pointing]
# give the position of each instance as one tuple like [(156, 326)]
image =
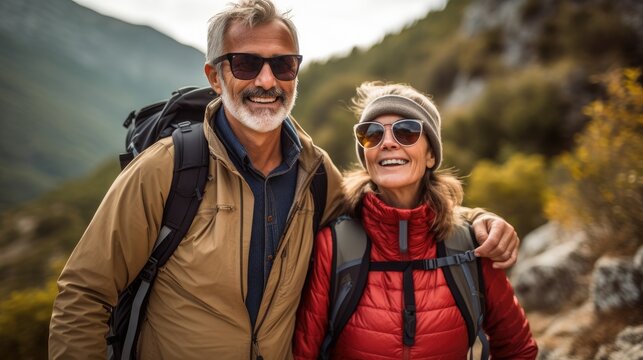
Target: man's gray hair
[(248, 12)]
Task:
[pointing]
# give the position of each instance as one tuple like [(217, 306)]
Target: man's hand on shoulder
[(498, 240)]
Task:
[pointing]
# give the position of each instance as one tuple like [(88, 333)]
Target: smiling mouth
[(393, 162), (262, 100)]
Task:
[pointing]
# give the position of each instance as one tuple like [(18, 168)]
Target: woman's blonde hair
[(441, 189)]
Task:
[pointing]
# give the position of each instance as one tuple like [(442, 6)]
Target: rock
[(637, 260), (539, 240), (627, 346), (465, 91), (554, 277), (616, 284), (558, 341), (518, 35), (546, 236)]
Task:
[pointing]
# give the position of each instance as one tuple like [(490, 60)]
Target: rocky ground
[(582, 303)]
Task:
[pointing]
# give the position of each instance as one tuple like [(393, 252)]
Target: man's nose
[(266, 79)]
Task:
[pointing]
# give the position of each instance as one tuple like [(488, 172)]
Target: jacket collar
[(382, 223)]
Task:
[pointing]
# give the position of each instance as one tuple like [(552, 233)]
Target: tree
[(599, 185)]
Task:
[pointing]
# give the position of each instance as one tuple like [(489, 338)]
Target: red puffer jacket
[(375, 329)]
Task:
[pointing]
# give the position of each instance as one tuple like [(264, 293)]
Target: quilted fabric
[(375, 329)]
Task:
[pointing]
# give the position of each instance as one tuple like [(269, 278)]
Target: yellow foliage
[(600, 183), (513, 190), (24, 320)]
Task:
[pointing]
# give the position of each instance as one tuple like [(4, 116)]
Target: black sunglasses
[(248, 66), (406, 132)]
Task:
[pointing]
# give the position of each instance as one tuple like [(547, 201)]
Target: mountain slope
[(70, 76)]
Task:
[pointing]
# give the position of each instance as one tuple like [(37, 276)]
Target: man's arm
[(497, 238), (110, 254)]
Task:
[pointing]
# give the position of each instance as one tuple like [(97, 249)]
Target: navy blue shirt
[(273, 198)]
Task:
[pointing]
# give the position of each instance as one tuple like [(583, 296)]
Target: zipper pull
[(404, 239)]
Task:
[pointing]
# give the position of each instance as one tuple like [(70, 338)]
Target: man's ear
[(213, 78)]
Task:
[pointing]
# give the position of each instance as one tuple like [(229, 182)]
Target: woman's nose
[(389, 140)]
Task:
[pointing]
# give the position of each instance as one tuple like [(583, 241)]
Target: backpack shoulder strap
[(191, 160), (349, 272), (466, 283)]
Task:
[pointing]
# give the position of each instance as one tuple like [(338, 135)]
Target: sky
[(326, 27)]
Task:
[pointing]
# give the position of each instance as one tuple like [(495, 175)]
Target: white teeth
[(393, 162), (263, 100)]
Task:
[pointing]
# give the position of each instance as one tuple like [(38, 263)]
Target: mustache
[(272, 92)]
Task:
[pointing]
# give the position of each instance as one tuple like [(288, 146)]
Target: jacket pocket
[(198, 259), (204, 223)]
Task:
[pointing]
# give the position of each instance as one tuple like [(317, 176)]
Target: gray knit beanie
[(407, 108)]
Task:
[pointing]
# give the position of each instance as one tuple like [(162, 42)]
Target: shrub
[(513, 190), (24, 321), (600, 183)]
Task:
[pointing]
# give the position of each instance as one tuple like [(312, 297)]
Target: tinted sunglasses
[(248, 66), (371, 134)]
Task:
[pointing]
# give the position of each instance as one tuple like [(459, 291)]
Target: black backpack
[(159, 120), (351, 264), (181, 116)]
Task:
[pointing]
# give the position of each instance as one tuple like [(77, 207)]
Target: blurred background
[(542, 105)]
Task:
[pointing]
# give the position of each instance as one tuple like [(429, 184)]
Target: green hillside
[(69, 77), (37, 235)]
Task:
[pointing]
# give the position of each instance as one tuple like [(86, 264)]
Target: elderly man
[(232, 287)]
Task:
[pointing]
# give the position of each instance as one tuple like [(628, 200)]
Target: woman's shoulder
[(343, 226)]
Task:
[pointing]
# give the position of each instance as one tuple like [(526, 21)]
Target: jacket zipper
[(255, 341), (296, 207), (254, 344), (241, 239), (255, 331)]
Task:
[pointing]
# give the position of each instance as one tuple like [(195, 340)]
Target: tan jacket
[(196, 308)]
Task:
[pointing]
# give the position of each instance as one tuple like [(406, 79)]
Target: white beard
[(262, 121)]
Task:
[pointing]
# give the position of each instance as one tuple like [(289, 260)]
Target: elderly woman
[(399, 147)]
